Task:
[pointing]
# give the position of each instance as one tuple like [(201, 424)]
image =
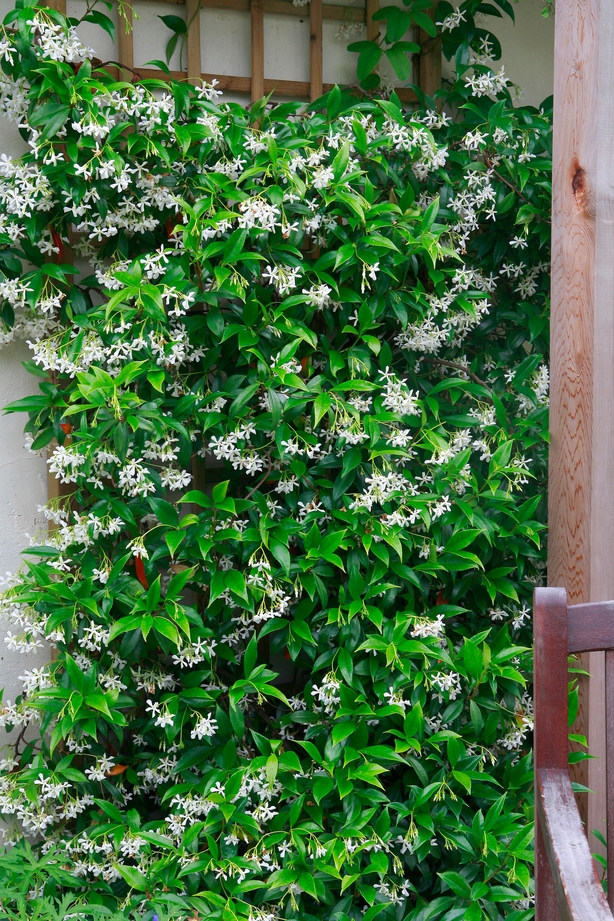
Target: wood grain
[(372, 26), (125, 44), (430, 60), (315, 50), (295, 89), (591, 626), (550, 742), (192, 16), (257, 17), (285, 8), (579, 896), (581, 503)]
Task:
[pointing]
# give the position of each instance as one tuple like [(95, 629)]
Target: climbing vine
[(293, 383)]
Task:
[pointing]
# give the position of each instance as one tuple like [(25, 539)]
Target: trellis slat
[(283, 7), (372, 27), (294, 89), (315, 50), (192, 15), (257, 83), (430, 60), (125, 43)]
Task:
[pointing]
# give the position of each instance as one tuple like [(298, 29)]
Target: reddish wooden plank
[(550, 700), (315, 50), (578, 890), (257, 17), (591, 626), (550, 667)]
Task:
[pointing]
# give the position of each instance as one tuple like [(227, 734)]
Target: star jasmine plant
[(293, 383)]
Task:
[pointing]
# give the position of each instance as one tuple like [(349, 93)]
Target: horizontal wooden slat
[(579, 893), (294, 88), (591, 626), (337, 13)]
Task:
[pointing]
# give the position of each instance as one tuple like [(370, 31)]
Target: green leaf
[(457, 883), (368, 58), (133, 877), (156, 379), (175, 24)]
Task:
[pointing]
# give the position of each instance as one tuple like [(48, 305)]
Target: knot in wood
[(577, 183)]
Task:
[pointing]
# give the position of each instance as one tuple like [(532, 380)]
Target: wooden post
[(125, 45), (430, 60), (192, 18), (372, 27), (315, 49), (581, 503), (257, 49)]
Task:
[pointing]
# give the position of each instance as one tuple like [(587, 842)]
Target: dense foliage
[(294, 390)]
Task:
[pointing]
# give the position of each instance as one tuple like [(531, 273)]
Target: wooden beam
[(372, 27), (192, 16), (257, 16), (125, 43), (295, 89), (284, 8), (581, 498), (430, 60), (315, 50)]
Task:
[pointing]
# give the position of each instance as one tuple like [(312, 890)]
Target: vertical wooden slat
[(372, 27), (315, 49), (257, 49), (125, 44), (430, 60), (609, 705), (192, 15), (58, 5), (581, 499), (550, 701)]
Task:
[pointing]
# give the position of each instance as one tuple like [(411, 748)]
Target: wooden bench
[(567, 887)]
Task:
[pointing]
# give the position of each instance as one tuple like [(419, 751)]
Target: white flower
[(204, 728)]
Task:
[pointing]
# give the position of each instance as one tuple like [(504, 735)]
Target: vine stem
[(262, 479), (458, 367)]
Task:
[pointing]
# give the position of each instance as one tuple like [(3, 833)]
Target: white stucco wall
[(528, 56), (23, 487)]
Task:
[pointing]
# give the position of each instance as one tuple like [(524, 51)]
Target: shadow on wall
[(528, 49), (23, 487)]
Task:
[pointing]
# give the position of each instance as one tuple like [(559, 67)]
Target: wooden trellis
[(428, 69)]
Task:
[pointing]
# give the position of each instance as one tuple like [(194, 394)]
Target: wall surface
[(528, 56), (23, 488)]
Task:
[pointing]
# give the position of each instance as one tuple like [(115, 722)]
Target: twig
[(262, 479), (457, 367), (120, 66)]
